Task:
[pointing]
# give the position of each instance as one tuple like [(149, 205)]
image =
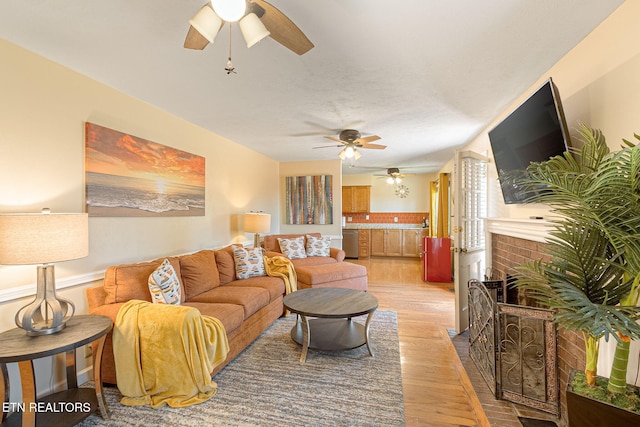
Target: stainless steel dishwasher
[(350, 243)]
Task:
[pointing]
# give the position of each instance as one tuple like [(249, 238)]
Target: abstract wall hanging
[(130, 176), (309, 199)]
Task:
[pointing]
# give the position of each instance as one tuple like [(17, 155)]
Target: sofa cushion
[(318, 246), (231, 315), (248, 262), (274, 285), (199, 273), (251, 299), (226, 265), (271, 241), (325, 274), (293, 248), (130, 281), (313, 260), (164, 285)]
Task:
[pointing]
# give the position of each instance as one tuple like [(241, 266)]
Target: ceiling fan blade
[(367, 139), (195, 40), (374, 146), (328, 146), (283, 30), (336, 140)]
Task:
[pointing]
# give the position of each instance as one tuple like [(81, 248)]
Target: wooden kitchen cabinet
[(386, 242), (364, 243), (356, 198), (412, 242)]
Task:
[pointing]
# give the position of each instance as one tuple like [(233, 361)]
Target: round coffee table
[(332, 327)]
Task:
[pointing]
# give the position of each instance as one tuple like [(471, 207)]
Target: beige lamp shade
[(256, 222), (43, 238), (253, 30), (207, 23)]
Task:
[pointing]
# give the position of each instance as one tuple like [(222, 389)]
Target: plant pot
[(584, 411)]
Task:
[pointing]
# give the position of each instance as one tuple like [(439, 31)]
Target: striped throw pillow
[(164, 285), (249, 262)]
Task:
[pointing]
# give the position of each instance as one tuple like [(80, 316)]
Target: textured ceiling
[(426, 76)]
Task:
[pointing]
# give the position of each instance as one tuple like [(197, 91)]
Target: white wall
[(43, 108), (599, 85), (326, 167)]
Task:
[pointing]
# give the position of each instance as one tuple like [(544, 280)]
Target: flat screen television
[(534, 132)]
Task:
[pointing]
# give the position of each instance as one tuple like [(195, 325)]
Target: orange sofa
[(208, 282), (321, 271)]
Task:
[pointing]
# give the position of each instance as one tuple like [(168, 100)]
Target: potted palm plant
[(592, 278)]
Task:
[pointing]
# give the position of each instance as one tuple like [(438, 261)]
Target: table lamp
[(43, 239), (257, 222)]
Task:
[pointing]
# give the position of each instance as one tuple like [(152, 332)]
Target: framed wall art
[(130, 176), (309, 199)]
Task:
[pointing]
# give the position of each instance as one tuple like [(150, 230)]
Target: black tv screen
[(534, 132)]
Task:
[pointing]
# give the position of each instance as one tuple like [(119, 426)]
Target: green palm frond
[(595, 245)]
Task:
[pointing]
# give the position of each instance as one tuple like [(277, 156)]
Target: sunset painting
[(130, 176)]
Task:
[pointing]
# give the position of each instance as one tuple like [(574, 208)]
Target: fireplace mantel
[(536, 230)]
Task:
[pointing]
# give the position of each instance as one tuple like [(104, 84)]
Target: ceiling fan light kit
[(229, 10), (253, 30), (351, 140), (392, 180), (258, 19), (207, 23)]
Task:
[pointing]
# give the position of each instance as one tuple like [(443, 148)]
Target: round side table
[(67, 407)]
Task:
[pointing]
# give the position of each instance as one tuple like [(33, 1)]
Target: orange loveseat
[(321, 271), (208, 282)]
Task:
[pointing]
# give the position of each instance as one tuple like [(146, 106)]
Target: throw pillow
[(164, 285), (292, 248), (249, 262), (318, 246)]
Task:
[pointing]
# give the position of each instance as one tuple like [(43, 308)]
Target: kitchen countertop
[(360, 226)]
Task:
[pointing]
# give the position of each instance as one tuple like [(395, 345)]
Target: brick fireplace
[(514, 242)]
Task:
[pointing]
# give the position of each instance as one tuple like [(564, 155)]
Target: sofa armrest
[(96, 296), (338, 254)]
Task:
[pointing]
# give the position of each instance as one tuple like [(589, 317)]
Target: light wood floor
[(436, 390)]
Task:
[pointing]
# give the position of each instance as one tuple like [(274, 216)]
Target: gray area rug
[(267, 386)]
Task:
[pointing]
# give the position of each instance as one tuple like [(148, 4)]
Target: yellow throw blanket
[(164, 354), (280, 266)]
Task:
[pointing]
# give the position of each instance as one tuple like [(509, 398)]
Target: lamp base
[(47, 314), (256, 240)]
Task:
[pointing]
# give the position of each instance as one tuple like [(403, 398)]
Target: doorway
[(469, 211)]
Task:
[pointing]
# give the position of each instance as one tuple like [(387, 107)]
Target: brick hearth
[(507, 253)]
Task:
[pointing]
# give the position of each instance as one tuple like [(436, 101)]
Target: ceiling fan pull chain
[(230, 68)]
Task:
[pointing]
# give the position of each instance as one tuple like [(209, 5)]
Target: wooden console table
[(67, 407)]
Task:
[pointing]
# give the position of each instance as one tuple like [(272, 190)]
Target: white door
[(469, 211)]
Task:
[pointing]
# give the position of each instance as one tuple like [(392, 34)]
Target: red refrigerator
[(436, 259)]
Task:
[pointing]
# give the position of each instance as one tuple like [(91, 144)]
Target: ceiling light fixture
[(207, 23), (229, 10), (209, 20), (349, 152), (253, 30)]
